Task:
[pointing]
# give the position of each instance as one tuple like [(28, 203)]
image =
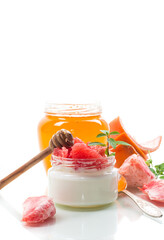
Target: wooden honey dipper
[(62, 138)]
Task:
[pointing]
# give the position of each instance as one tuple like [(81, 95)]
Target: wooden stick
[(25, 167), (61, 138)]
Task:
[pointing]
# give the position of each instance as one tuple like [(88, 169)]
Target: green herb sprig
[(158, 170), (110, 141)]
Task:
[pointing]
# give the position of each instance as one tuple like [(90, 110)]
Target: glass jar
[(71, 185), (82, 120)]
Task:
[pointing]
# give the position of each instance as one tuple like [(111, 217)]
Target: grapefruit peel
[(149, 146)]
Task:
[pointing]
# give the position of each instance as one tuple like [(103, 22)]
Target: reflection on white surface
[(80, 224), (10, 224), (95, 224)]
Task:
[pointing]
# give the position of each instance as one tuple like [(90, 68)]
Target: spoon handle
[(147, 207)]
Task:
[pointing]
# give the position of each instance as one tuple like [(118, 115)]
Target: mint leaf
[(112, 142), (158, 170), (101, 135), (160, 166), (152, 170), (123, 143), (114, 133), (106, 132), (96, 143), (112, 154), (107, 152), (148, 162)]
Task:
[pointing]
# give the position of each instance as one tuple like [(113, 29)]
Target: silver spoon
[(147, 207)]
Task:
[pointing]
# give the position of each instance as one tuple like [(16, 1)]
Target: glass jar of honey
[(82, 120)]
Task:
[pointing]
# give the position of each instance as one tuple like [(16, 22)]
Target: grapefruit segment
[(82, 151), (99, 149), (82, 156), (61, 152), (38, 209), (135, 171), (154, 189)]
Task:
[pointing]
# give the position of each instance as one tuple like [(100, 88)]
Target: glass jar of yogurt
[(82, 185)]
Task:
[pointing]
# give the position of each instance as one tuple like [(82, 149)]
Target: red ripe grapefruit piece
[(99, 149), (155, 190), (38, 209), (82, 151), (135, 171), (83, 156), (61, 152)]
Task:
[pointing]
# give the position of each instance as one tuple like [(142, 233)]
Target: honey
[(82, 120)]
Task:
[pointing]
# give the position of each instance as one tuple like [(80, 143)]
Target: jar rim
[(91, 163), (71, 109)]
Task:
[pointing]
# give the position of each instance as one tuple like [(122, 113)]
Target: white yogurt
[(82, 188)]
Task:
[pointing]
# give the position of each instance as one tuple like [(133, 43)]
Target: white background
[(71, 51)]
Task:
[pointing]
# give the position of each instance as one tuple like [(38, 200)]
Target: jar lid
[(73, 109)]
